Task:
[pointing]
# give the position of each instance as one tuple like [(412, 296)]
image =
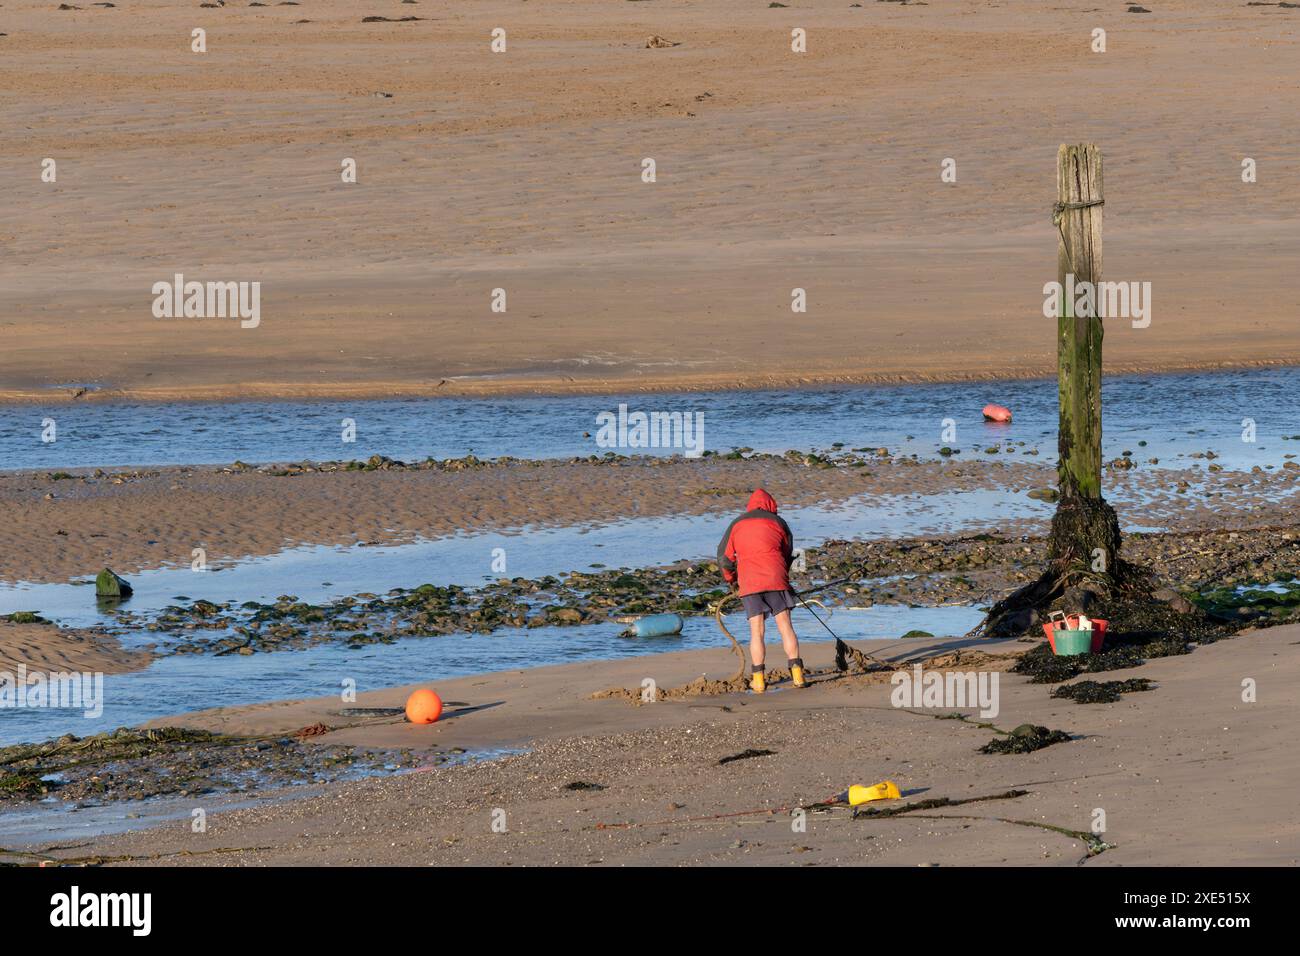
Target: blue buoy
[(657, 625)]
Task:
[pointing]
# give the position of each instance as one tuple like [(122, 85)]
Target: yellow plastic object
[(858, 794), (796, 676), (758, 684)]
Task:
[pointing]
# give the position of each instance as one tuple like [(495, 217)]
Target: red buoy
[(997, 413)]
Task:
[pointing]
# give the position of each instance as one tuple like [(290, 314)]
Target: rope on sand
[(740, 653)]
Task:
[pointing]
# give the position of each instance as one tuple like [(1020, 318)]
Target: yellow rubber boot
[(796, 674), (758, 683)]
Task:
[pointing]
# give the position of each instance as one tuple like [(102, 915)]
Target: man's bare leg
[(757, 650), (789, 640)]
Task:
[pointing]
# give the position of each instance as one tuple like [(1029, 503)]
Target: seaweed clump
[(1041, 666), (1025, 739), (746, 755), (1103, 692), (1270, 603), (135, 764), (934, 803)]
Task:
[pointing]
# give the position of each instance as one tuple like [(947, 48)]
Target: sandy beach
[(602, 782), (522, 171), (546, 211), (568, 765)]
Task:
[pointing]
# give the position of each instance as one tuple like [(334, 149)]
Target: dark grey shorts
[(767, 602)]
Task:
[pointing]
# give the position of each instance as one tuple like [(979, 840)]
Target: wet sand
[(156, 518), (1154, 762), (48, 647), (521, 171), (134, 520)]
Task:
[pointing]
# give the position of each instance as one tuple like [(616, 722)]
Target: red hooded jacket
[(758, 547)]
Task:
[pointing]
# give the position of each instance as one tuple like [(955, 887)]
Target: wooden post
[(1078, 214), (1084, 565), (1085, 531)]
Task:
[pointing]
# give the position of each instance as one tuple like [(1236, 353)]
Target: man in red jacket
[(756, 553)]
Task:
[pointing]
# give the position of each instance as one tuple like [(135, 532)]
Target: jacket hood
[(760, 500)]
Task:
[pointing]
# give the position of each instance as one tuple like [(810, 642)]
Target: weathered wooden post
[(1085, 539), (1085, 531), (1078, 217)]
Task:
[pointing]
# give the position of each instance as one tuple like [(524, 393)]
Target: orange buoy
[(423, 707), (996, 413)]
